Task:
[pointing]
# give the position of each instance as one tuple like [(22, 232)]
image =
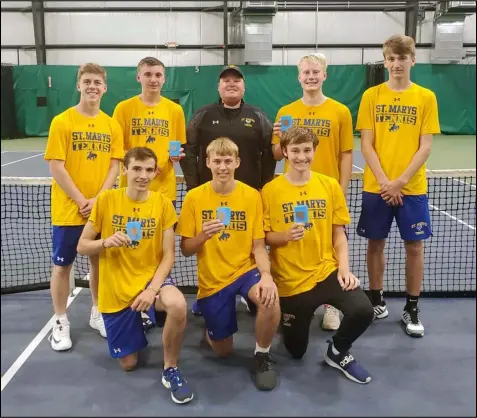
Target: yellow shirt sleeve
[(56, 147), (169, 216), (340, 208), (346, 131), (365, 113), (118, 116), (96, 215), (258, 232), (179, 120), (117, 140), (430, 117), (186, 226)]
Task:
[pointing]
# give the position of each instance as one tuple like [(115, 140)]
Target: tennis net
[(450, 256)]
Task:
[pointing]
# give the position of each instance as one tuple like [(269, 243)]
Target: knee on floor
[(297, 351), (128, 363)]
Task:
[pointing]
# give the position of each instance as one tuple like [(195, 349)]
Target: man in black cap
[(246, 125)]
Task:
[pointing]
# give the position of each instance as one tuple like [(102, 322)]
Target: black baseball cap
[(232, 68)]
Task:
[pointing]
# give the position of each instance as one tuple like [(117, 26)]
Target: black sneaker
[(264, 374)]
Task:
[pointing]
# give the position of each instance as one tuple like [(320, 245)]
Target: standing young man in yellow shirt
[(332, 123), (304, 217), (222, 222), (397, 120), (83, 151), (136, 253), (151, 120)]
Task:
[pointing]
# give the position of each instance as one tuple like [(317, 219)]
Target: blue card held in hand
[(174, 148), (133, 230), (286, 123), (223, 213), (301, 214)]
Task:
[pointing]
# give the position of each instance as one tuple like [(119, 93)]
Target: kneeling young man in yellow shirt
[(136, 254), (222, 222), (304, 217)]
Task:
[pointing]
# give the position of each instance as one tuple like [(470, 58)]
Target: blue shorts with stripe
[(412, 218), (219, 309), (125, 331)]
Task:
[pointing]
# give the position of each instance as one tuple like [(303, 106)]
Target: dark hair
[(298, 135), (139, 154)]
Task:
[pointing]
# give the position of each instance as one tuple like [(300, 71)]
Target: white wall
[(196, 28)]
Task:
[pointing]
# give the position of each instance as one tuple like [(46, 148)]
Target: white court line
[(359, 168), (22, 159), (23, 357), (464, 183)]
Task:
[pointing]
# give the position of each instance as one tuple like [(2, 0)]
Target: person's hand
[(296, 232), (118, 239), (179, 157), (391, 192), (144, 300), (347, 280), (267, 292), (87, 208), (210, 228), (277, 129)]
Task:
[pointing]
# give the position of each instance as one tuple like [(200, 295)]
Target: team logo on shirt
[(316, 211), (151, 127), (91, 142), (238, 222), (148, 227), (321, 127), (248, 122), (395, 115)]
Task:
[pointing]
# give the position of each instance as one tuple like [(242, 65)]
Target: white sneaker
[(96, 321), (414, 326), (380, 312), (60, 335), (331, 318)]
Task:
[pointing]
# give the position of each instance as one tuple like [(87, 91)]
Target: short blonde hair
[(91, 68), (400, 45), (222, 146), (297, 135), (315, 59)]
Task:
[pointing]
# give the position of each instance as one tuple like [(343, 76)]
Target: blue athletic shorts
[(65, 241), (413, 218), (219, 309), (125, 330)]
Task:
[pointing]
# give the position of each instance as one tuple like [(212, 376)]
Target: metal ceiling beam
[(39, 31), (412, 14)]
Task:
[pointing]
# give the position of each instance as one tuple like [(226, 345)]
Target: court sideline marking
[(22, 159), (439, 210), (23, 357)]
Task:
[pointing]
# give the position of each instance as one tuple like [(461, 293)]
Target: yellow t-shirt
[(297, 266), (125, 271), (153, 127), (86, 145), (398, 119), (332, 123), (228, 254)]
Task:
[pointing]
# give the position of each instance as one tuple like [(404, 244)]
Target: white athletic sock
[(62, 318), (94, 310), (259, 349), (334, 350)]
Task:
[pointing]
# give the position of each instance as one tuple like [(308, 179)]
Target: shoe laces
[(414, 315), (173, 375), (265, 362), (61, 330)]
